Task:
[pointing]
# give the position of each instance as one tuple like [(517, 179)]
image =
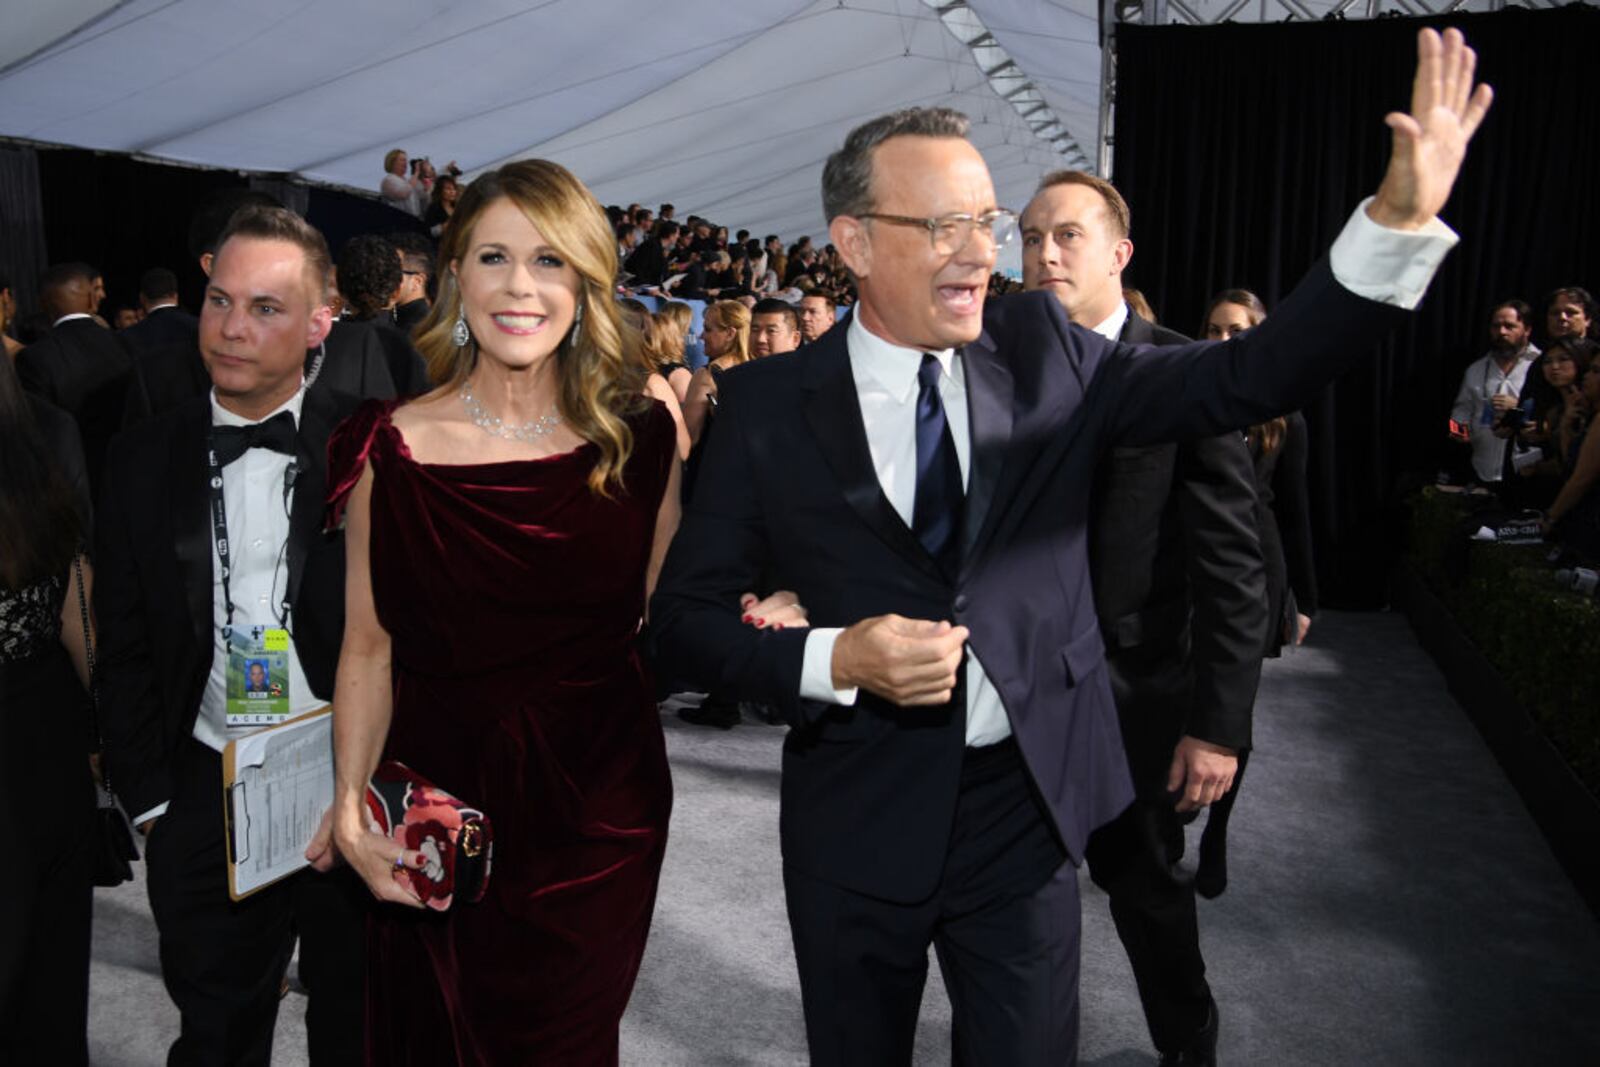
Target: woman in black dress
[(1278, 447), (46, 902)]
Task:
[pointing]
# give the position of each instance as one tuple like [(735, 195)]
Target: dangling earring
[(577, 327), (459, 333)]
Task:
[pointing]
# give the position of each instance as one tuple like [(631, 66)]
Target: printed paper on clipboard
[(276, 785)]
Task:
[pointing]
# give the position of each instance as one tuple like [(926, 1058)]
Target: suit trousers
[(1004, 920), (223, 961), (1134, 859)]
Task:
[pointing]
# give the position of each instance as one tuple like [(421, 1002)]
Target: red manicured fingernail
[(777, 626), (761, 622), (749, 618)]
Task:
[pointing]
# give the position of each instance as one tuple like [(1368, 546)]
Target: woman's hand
[(781, 609), (376, 858)]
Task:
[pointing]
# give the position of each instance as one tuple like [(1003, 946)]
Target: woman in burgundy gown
[(503, 532)]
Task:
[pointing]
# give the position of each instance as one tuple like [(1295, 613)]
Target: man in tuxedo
[(1180, 593), (921, 479), (78, 366), (164, 323), (168, 375), (211, 535)]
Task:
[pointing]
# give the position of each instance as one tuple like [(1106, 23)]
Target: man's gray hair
[(847, 177)]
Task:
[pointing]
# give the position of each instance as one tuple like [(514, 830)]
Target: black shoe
[(1200, 1052), (722, 714)]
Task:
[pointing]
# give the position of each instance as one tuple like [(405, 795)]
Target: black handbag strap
[(88, 654)]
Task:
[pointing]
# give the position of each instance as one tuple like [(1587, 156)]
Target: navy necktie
[(936, 515), (231, 442)]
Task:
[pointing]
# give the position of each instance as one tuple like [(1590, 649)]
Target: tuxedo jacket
[(80, 368), (162, 327), (154, 586), (787, 488), (371, 359), (1179, 587)]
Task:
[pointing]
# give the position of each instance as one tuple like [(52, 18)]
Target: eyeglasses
[(950, 233)]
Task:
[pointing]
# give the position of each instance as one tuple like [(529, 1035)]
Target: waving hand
[(1431, 140)]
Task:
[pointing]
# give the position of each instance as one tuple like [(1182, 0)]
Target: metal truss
[(1008, 80)]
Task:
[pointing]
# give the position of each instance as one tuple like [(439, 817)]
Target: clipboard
[(276, 785)]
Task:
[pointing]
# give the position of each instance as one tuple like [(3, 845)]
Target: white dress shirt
[(887, 388), (258, 535), (1482, 381), (1373, 261)]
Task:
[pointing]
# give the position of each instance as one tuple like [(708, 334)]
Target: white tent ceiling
[(725, 109)]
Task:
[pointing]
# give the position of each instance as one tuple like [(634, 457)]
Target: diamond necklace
[(494, 426)]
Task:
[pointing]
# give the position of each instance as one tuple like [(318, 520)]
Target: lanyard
[(219, 537)]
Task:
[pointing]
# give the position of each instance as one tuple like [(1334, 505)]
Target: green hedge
[(1543, 640)]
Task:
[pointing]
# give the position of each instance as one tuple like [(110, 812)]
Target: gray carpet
[(1391, 901)]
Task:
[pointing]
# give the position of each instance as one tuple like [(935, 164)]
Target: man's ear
[(849, 235), (321, 323), (205, 262), (1122, 255)]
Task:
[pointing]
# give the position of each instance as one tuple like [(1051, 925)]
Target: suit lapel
[(990, 401), (1136, 330), (317, 419), (191, 513), (833, 411)]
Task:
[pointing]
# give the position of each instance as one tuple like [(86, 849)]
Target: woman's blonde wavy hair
[(732, 315), (599, 379)]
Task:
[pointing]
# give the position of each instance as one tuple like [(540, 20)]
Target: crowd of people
[(1521, 417), (1008, 580)]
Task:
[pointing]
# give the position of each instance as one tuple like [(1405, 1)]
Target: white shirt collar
[(69, 318), (1111, 328), (221, 416), (892, 366), (158, 307)]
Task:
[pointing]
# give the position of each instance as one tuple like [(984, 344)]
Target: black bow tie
[(231, 442)]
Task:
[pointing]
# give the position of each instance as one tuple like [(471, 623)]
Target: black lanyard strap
[(219, 538)]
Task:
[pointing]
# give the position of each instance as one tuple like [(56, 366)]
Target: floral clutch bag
[(456, 840)]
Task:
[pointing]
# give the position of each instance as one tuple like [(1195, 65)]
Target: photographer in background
[(1491, 388), (410, 192)]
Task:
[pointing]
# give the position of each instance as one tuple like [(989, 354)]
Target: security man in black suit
[(211, 555), (78, 366), (164, 322), (1179, 588)]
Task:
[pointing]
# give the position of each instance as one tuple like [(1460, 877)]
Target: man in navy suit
[(921, 479)]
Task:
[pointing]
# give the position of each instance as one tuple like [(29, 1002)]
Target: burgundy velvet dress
[(513, 596)]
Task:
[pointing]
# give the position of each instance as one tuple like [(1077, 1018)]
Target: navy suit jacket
[(787, 492)]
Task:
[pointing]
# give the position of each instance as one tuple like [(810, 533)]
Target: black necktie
[(231, 442), (936, 516)]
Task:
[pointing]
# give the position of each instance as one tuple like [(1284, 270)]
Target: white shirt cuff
[(159, 809), (1389, 266), (816, 671)]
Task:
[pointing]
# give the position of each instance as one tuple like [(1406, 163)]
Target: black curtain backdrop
[(126, 216), (1242, 151), (22, 247)]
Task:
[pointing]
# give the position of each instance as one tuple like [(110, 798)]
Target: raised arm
[(1379, 266)]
